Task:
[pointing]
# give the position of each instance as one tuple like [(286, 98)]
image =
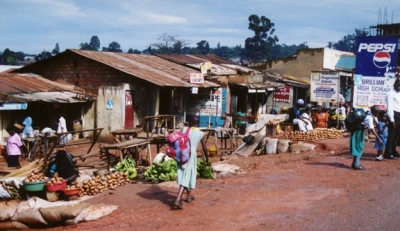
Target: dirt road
[(309, 191)]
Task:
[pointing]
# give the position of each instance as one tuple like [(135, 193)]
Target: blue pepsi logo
[(381, 59)]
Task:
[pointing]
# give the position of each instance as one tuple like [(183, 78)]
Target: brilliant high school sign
[(376, 60)]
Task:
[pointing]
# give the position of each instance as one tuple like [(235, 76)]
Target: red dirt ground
[(308, 191)]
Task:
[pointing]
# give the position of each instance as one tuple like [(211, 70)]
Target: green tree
[(56, 50), (131, 51), (42, 56), (113, 47), (8, 57), (94, 44), (348, 42), (203, 47), (258, 47)]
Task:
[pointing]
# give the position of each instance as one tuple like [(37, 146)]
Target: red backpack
[(178, 146)]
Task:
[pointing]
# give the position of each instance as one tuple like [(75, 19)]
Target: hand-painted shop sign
[(196, 78), (282, 94)]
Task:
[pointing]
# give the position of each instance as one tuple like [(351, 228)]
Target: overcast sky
[(32, 26)]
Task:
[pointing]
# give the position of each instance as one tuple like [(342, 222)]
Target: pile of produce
[(73, 185), (160, 172), (98, 184), (314, 135), (55, 180), (127, 166), (204, 169), (35, 176), (167, 171)]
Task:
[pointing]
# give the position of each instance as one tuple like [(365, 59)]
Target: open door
[(128, 109)]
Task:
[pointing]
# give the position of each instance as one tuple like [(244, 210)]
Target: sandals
[(190, 199), (178, 204)]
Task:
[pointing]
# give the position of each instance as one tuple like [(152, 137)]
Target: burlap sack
[(31, 218), (59, 214), (283, 145), (8, 209), (271, 146), (301, 147), (12, 225)]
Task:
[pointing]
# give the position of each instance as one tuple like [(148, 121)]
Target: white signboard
[(196, 78), (324, 86)]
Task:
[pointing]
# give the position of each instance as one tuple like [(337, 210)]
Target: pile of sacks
[(39, 213), (276, 146)]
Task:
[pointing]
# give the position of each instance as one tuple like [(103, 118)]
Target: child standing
[(382, 134)]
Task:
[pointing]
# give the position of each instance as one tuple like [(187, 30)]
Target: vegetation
[(258, 47), (261, 47), (348, 42)]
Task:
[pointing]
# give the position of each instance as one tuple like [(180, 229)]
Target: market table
[(133, 132), (85, 140), (224, 134), (124, 148)]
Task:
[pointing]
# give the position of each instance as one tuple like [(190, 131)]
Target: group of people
[(15, 147), (387, 129), (306, 121)]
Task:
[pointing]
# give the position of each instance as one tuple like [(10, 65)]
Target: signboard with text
[(282, 94), (196, 78), (208, 105), (324, 86), (375, 72)]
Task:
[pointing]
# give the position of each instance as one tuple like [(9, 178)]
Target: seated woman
[(64, 164), (320, 118)]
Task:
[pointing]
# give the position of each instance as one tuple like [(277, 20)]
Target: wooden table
[(133, 132), (224, 134), (27, 142), (124, 146), (86, 140)]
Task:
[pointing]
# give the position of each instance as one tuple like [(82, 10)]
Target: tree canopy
[(113, 46), (348, 42), (93, 45), (258, 47)]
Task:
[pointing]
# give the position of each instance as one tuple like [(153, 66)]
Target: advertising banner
[(282, 94), (207, 106), (324, 86), (376, 60), (13, 106)]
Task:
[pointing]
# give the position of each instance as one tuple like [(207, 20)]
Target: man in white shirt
[(393, 111)]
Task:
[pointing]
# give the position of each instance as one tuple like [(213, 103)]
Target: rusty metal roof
[(219, 66), (16, 87), (147, 67)]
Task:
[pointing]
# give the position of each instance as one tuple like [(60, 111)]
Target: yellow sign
[(205, 67)]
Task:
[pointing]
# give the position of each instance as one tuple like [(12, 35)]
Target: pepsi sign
[(376, 56)]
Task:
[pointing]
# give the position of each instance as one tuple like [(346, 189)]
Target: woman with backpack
[(187, 172), (363, 120)]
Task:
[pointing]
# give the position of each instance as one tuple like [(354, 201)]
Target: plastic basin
[(34, 186), (72, 192), (56, 187)]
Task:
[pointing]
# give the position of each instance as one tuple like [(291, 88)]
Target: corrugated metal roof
[(287, 79), (346, 63), (147, 67), (219, 66), (267, 84), (16, 87)]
